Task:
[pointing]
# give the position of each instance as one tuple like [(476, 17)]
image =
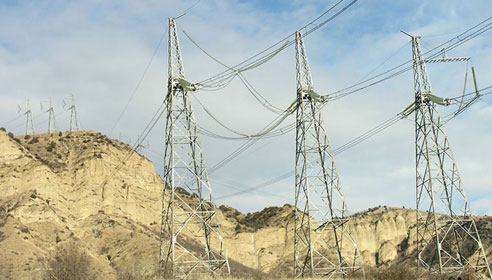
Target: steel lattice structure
[(324, 244), (447, 237), (188, 209), (29, 125), (74, 121), (51, 118)]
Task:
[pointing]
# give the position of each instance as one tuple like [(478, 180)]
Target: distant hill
[(85, 188)]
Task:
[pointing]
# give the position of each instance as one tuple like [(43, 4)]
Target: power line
[(243, 147), (146, 70), (339, 150), (12, 120), (148, 128), (384, 62), (258, 96), (250, 142), (23, 124), (368, 134), (269, 51), (259, 186), (265, 131), (138, 83), (434, 52), (191, 7), (364, 84), (357, 140)]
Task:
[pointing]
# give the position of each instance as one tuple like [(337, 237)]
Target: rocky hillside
[(54, 190), (86, 188)]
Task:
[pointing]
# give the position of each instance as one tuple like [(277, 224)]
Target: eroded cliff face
[(261, 240), (383, 235), (99, 193), (61, 187)]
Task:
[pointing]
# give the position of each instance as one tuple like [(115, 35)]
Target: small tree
[(68, 262)]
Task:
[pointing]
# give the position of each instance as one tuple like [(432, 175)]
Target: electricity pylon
[(447, 237), (28, 113), (74, 120), (51, 117), (191, 242), (324, 244)]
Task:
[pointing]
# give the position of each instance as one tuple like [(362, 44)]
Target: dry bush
[(34, 140), (393, 272), (401, 272), (131, 272), (68, 262), (129, 275)]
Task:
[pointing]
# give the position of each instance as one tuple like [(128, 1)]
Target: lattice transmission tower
[(28, 113), (74, 120), (51, 117), (188, 209), (447, 237), (324, 244)]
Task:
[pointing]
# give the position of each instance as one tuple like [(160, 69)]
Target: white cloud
[(98, 50)]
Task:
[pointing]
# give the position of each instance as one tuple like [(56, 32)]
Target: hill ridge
[(51, 195)]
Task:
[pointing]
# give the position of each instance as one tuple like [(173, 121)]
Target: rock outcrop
[(86, 188)]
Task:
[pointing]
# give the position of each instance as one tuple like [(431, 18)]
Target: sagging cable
[(289, 111)]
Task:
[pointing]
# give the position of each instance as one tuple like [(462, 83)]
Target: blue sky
[(98, 50)]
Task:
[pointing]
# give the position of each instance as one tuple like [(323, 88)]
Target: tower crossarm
[(451, 59)]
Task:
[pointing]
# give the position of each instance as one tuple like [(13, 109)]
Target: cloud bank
[(98, 50)]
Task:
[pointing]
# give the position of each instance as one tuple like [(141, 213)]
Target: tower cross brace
[(324, 244)]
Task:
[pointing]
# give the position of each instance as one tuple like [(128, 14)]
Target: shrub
[(103, 250), (393, 272), (10, 134), (35, 139), (24, 229), (260, 219), (3, 129), (51, 147), (68, 262), (130, 272)]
